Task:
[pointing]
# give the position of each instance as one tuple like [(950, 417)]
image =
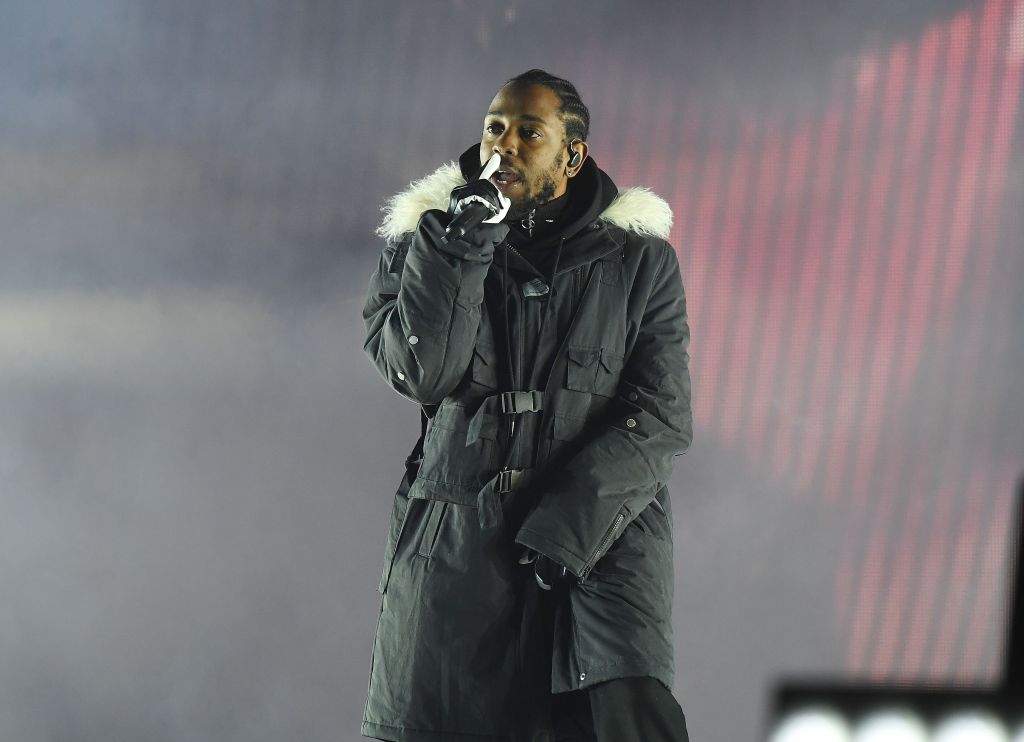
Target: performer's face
[(523, 126)]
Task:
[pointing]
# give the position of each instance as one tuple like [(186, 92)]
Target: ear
[(579, 148)]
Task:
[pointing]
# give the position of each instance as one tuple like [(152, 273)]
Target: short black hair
[(574, 115)]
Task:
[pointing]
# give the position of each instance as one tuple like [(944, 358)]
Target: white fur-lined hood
[(634, 209)]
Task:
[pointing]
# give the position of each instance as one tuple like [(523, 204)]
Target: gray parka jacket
[(454, 327)]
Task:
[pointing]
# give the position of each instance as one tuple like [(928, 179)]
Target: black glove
[(547, 572), (480, 191)]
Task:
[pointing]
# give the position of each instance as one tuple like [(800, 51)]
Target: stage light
[(975, 726), (891, 725), (812, 724), (874, 713), (839, 709)]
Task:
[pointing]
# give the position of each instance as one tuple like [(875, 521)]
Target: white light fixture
[(976, 726), (891, 725), (813, 724)]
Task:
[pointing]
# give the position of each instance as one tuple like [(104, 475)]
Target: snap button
[(630, 422), (400, 375), (583, 676), (413, 340), (632, 396)]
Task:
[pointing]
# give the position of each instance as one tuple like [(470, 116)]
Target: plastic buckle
[(516, 402), (505, 480), (511, 479)]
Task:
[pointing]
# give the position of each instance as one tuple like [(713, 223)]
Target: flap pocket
[(483, 425), (585, 374), (611, 361), (583, 356), (581, 368)]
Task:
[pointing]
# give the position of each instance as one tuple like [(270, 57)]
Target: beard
[(542, 195), (543, 192)]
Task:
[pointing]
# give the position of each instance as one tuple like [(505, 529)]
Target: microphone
[(474, 213)]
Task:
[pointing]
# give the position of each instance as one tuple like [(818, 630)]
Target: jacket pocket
[(593, 370), (454, 423), (613, 532), (461, 452), (400, 517), (484, 370), (482, 425), (434, 518)]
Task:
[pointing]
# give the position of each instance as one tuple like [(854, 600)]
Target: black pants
[(634, 709), (621, 710)]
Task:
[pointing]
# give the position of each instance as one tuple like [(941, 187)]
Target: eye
[(490, 128), (531, 133)]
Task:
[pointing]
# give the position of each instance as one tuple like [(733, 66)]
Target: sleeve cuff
[(551, 550)]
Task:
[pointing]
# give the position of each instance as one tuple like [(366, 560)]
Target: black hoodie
[(590, 192)]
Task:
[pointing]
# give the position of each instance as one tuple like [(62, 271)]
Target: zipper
[(519, 361), (516, 293), (509, 246), (605, 542), (520, 383)]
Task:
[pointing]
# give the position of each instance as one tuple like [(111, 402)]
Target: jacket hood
[(589, 193), (593, 195)]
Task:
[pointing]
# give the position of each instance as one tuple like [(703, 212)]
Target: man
[(528, 580)]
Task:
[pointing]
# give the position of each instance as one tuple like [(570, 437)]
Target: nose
[(505, 144)]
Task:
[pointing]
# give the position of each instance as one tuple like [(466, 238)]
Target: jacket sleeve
[(586, 504), (422, 310)]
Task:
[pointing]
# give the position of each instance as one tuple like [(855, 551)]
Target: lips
[(503, 177)]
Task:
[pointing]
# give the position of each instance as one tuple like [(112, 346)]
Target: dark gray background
[(197, 461)]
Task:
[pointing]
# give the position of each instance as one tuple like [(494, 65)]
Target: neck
[(539, 219)]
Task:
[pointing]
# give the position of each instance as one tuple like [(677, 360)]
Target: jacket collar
[(581, 249), (588, 238)]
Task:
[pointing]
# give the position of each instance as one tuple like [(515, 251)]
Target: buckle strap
[(515, 402), (510, 479)]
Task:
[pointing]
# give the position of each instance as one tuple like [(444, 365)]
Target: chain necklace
[(528, 223)]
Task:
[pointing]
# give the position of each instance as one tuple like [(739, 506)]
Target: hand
[(548, 573), (483, 192), (505, 204)]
